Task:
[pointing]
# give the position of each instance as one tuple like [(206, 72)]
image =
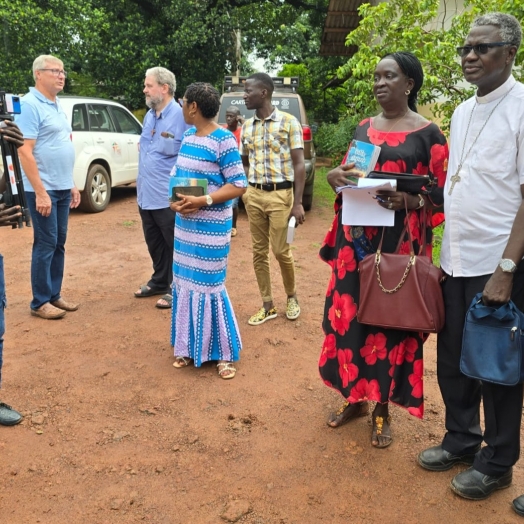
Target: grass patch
[(323, 195), (438, 233), (129, 223)]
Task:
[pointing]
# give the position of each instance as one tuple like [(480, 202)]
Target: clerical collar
[(497, 93)]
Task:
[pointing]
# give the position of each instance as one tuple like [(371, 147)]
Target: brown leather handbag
[(401, 291)]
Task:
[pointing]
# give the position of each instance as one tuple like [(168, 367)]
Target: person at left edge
[(47, 158), (159, 144), (8, 217)]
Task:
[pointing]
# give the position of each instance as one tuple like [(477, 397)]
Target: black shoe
[(474, 485), (518, 505), (9, 416), (438, 459)]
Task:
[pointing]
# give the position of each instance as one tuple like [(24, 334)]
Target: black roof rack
[(282, 83)]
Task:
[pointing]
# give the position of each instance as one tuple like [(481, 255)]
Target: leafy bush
[(332, 140)]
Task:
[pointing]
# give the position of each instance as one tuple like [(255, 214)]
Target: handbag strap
[(409, 265), (422, 247), (406, 228), (412, 256)]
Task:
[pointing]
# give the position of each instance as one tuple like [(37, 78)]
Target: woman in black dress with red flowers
[(366, 363)]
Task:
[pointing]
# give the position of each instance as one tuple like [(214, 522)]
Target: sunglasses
[(480, 49)]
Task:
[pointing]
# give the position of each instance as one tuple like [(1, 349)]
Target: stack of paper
[(360, 206)]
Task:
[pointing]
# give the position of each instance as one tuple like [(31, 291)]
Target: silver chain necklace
[(456, 177)]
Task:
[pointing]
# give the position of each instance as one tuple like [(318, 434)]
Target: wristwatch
[(507, 265), (209, 200), (421, 202)]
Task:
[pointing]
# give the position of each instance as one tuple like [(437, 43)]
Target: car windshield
[(284, 103)]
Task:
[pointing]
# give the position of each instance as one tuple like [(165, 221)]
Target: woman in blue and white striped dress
[(204, 326)]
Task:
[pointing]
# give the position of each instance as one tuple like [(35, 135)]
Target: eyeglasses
[(56, 72), (480, 49)]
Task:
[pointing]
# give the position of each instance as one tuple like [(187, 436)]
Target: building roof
[(341, 19)]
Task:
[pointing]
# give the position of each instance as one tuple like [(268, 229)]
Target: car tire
[(307, 197), (97, 193), (307, 202)]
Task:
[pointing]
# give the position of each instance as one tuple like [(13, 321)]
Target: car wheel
[(97, 193), (307, 202), (307, 197)]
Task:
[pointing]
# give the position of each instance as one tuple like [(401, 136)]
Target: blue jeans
[(49, 238), (2, 317)]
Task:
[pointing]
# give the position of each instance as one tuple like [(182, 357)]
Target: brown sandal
[(378, 424), (346, 413)]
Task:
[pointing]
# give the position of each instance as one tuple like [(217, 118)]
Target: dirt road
[(114, 434)]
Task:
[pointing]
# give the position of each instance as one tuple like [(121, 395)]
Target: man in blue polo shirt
[(47, 159), (162, 133)]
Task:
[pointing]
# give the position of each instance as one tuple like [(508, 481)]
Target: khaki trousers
[(268, 213)]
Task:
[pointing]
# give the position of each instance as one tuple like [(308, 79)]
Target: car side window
[(100, 119), (125, 122), (79, 120)]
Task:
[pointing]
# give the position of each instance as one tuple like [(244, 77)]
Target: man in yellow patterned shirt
[(272, 151)]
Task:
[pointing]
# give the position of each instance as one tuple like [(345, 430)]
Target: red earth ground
[(114, 434)]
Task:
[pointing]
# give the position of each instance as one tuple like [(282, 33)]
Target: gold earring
[(407, 92)]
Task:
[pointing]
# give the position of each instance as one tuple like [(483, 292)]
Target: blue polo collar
[(37, 94)]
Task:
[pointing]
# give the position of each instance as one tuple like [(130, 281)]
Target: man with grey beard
[(160, 141)]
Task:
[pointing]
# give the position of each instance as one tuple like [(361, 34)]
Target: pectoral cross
[(454, 179)]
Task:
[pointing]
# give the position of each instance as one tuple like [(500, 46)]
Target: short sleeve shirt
[(487, 154), (46, 122), (159, 146), (268, 144)]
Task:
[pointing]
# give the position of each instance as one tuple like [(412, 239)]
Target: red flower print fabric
[(374, 349), (346, 261), (342, 312), (366, 362), (415, 379), (346, 369), (365, 390), (329, 349), (398, 166), (379, 138)]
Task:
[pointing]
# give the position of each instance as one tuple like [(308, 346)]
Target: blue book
[(364, 155)]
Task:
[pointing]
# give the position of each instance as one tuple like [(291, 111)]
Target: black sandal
[(378, 424), (346, 413)]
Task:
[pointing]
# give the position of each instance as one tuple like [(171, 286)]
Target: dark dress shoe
[(474, 485), (438, 459), (9, 416), (518, 505)]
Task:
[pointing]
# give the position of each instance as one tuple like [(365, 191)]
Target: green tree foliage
[(419, 27), (287, 37), (322, 105), (34, 27), (188, 37), (107, 45)]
